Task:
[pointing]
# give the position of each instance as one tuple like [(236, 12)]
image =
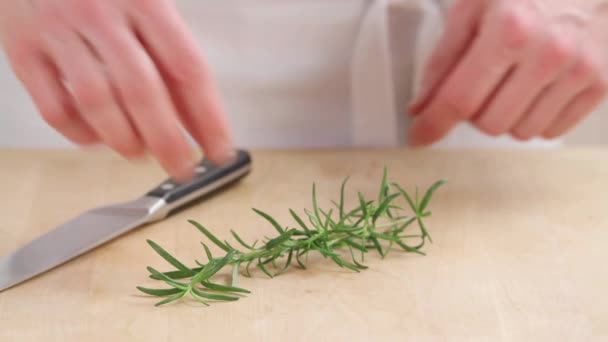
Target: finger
[(176, 54), (528, 81), (43, 82), (576, 110), (93, 94), (482, 69), (460, 30), (145, 97), (554, 99)]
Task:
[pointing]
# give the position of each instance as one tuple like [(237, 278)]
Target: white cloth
[(296, 73)]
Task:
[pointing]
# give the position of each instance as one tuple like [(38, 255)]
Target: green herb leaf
[(270, 219), (407, 197), (159, 292), (172, 298), (178, 274), (300, 263), (223, 288), (229, 246), (361, 266), (344, 263), (212, 268), (342, 189), (279, 240), (328, 219), (383, 206), (287, 263), (299, 220), (383, 185), (198, 298), (425, 233), (207, 251), (168, 280), (377, 245), (169, 258), (429, 194), (214, 296), (358, 246), (238, 238), (264, 269), (409, 248), (405, 225), (210, 236), (362, 203), (247, 273)]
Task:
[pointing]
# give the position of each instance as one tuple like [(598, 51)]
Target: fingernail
[(186, 171), (186, 174), (228, 156), (221, 153)]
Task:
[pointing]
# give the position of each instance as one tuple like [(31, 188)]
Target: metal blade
[(73, 238)]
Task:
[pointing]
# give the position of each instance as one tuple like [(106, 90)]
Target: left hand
[(524, 67)]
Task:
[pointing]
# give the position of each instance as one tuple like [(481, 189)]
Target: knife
[(99, 225)]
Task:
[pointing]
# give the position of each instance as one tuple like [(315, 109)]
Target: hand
[(125, 73), (523, 67)]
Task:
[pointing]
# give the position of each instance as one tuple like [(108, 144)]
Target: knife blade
[(100, 225)]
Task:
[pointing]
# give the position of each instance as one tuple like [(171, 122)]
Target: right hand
[(528, 68), (125, 73)]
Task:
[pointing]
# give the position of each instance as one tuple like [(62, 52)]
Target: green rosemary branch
[(344, 236)]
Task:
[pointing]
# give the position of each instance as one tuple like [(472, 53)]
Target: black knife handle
[(209, 177)]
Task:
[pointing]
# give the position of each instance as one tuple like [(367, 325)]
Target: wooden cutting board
[(519, 254)]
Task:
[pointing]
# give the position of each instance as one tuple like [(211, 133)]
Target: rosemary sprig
[(337, 234)]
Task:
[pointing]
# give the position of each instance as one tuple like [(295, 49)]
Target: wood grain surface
[(520, 251)]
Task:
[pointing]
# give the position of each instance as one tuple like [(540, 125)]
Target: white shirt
[(297, 73)]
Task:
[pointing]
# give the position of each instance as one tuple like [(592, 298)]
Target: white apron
[(297, 73)]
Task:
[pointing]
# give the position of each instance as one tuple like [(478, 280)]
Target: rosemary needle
[(372, 225)]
